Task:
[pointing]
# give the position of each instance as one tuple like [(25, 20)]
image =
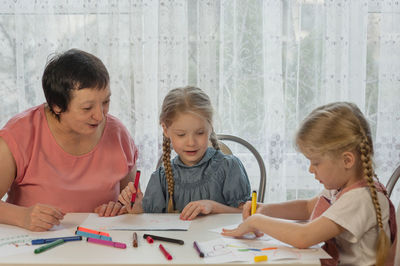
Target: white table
[(83, 253)]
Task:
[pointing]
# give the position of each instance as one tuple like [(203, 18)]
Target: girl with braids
[(200, 179), (352, 215)]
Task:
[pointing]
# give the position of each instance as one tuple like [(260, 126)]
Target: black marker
[(166, 239)]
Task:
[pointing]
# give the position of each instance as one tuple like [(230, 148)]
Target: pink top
[(47, 174)]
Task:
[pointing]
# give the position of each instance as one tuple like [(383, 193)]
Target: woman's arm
[(35, 218)]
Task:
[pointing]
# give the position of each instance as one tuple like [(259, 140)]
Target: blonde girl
[(200, 179), (352, 214)]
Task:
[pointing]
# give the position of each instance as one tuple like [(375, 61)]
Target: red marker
[(136, 184), (166, 254), (149, 239)]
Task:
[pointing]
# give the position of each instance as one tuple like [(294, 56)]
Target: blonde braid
[(168, 172), (383, 245), (214, 140)]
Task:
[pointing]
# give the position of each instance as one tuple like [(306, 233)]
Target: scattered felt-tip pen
[(49, 246), (135, 240), (41, 241), (87, 230), (165, 252), (197, 248), (106, 242), (86, 234), (166, 239)]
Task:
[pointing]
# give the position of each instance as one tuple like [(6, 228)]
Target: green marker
[(49, 246)]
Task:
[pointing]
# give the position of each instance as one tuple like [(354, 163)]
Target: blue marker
[(49, 240), (86, 234)]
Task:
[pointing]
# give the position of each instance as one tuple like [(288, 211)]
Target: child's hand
[(110, 209), (246, 210), (194, 208), (41, 217), (261, 208), (126, 196), (243, 228), (137, 206)]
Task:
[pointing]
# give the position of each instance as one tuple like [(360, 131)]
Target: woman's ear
[(165, 130), (56, 109), (348, 159)]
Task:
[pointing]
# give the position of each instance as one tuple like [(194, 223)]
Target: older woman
[(68, 154)]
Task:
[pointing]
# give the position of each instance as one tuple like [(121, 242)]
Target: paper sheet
[(15, 240), (228, 249), (223, 250), (138, 222)]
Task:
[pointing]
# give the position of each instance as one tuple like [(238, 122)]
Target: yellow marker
[(253, 202), (260, 258)]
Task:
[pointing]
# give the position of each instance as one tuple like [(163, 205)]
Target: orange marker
[(87, 230)]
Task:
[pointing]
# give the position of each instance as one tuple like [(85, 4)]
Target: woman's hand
[(110, 209), (246, 227), (125, 198), (194, 208), (40, 217)]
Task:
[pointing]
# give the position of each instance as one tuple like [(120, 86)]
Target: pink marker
[(106, 242)]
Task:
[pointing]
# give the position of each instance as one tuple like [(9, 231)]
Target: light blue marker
[(86, 234)]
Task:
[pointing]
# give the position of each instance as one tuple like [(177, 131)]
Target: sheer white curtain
[(265, 64)]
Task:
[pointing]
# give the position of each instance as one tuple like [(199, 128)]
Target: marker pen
[(85, 234), (49, 246), (136, 184), (106, 242), (49, 240)]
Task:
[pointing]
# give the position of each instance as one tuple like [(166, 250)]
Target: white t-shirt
[(355, 212)]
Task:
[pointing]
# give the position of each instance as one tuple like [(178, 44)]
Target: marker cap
[(149, 239), (260, 258)]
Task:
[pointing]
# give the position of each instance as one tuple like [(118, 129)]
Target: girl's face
[(189, 135), (86, 111), (333, 173)]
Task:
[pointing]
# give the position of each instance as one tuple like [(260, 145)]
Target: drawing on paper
[(16, 240)]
